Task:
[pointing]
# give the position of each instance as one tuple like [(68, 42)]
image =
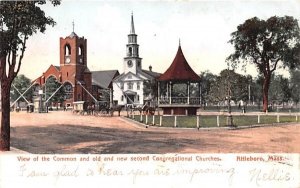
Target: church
[(129, 86), (73, 72), (81, 84)]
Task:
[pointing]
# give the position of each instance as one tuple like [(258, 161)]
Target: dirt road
[(63, 133)]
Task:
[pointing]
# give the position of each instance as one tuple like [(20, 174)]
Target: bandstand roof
[(179, 70)]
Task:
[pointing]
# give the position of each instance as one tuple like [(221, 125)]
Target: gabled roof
[(141, 74), (179, 70), (104, 78), (151, 73), (57, 67)]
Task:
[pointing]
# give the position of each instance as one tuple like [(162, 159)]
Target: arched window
[(130, 51), (68, 89), (67, 49), (80, 50), (122, 98)]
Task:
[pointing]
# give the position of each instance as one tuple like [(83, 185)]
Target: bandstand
[(179, 89)]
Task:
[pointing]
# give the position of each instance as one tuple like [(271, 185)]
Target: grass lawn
[(212, 120)]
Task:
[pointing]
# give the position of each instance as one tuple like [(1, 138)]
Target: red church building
[(73, 72)]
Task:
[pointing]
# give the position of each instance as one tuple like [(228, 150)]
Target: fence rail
[(206, 121)]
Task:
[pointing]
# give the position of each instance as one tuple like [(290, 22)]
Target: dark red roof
[(179, 70)]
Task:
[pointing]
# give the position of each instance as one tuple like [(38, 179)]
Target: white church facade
[(128, 87)]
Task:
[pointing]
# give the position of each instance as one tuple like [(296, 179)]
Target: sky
[(203, 27)]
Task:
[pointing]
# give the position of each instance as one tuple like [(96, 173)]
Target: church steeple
[(132, 31), (132, 61)]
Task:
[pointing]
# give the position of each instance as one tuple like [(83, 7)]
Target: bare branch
[(275, 65), (22, 55)]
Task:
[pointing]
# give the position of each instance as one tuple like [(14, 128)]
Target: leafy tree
[(279, 90), (207, 80), (295, 85), (257, 90), (21, 82), (230, 83), (269, 44), (150, 89), (18, 21), (51, 86)]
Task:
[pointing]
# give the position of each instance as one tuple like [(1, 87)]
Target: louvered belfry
[(179, 91)]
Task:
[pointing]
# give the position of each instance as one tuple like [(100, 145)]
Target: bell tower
[(73, 65), (132, 61)]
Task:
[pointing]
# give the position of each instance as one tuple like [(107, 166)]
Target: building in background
[(129, 86)]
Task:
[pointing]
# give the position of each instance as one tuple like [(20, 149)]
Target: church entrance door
[(130, 99)]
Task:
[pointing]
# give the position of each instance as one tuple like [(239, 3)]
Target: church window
[(122, 85), (129, 76), (130, 85), (80, 50), (68, 89), (67, 50), (137, 52), (138, 85), (130, 51), (122, 98), (138, 98)]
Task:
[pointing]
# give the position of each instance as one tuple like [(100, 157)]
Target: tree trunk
[(266, 86), (5, 119)]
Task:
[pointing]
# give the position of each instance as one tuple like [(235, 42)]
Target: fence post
[(175, 121), (160, 120), (218, 121), (141, 118), (153, 120), (133, 116), (146, 119), (296, 117), (278, 118), (198, 123), (258, 119)]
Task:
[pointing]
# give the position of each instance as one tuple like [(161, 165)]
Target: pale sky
[(204, 28)]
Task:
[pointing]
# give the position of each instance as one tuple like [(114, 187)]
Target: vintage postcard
[(150, 93)]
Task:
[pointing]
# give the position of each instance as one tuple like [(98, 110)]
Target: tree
[(207, 80), (230, 83), (269, 44), (21, 83), (51, 86), (18, 21), (295, 85), (150, 89), (279, 92)]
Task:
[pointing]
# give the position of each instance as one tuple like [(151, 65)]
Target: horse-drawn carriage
[(100, 108)]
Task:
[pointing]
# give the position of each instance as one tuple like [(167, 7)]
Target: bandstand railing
[(179, 100)]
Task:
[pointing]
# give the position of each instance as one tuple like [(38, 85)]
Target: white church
[(128, 87)]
